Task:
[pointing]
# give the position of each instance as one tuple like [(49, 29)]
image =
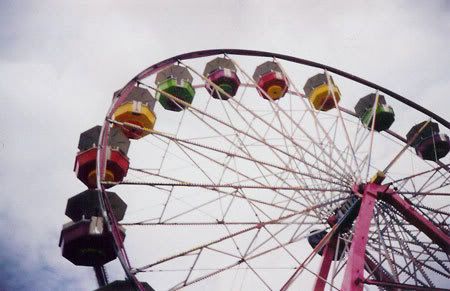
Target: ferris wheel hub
[(378, 178)]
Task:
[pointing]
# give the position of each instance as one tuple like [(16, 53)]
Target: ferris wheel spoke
[(216, 188), (203, 171), (410, 258), (168, 142), (217, 223), (333, 130), (193, 208), (231, 154), (404, 273), (424, 248), (225, 166), (236, 171), (254, 180), (386, 254), (257, 275), (273, 149), (163, 211), (407, 178), (256, 226), (252, 242), (246, 259), (411, 242), (309, 166), (375, 269), (445, 215), (438, 217), (281, 178), (224, 212), (428, 182), (316, 120), (192, 267), (428, 187), (308, 259), (264, 177), (198, 279), (372, 132), (359, 140), (258, 232), (322, 142), (296, 92), (341, 156), (276, 110), (198, 207), (323, 274), (384, 279), (431, 190), (392, 221), (244, 148), (347, 136), (373, 246), (277, 116), (418, 220), (299, 179), (257, 247), (406, 147), (415, 193), (347, 149), (289, 118), (196, 249), (315, 163), (298, 233), (408, 274), (338, 264)]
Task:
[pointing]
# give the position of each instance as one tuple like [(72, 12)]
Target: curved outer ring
[(123, 93)]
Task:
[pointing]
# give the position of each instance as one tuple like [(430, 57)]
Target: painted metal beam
[(327, 258), (415, 218), (354, 272)]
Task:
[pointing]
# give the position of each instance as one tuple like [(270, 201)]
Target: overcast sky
[(60, 62)]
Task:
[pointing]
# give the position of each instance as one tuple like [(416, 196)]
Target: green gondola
[(384, 114), (176, 81)]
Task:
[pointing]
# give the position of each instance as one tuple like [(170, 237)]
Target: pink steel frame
[(328, 255), (354, 272)]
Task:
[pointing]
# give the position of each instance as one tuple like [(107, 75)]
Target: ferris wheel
[(251, 170)]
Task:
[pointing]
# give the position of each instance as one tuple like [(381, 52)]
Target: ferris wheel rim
[(101, 154), (255, 53)]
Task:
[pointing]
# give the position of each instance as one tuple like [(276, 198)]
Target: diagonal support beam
[(418, 220), (327, 258)]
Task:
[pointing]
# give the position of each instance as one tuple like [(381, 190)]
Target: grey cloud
[(61, 61)]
